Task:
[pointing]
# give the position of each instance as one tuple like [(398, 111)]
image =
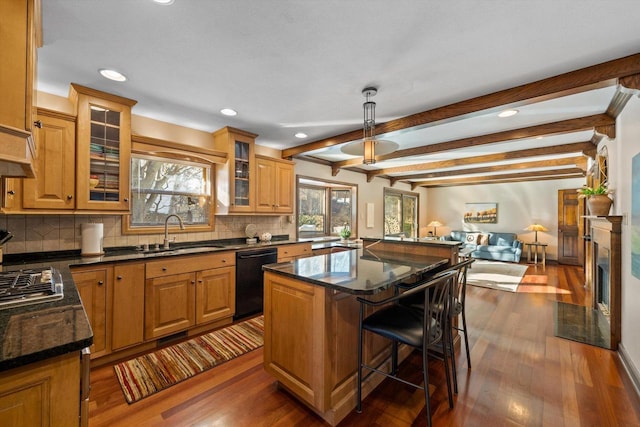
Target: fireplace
[(606, 270)]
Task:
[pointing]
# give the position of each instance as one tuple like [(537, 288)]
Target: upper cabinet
[(103, 149), (250, 183), (20, 36), (236, 179), (274, 186)]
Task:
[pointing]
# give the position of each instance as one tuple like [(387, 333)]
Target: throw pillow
[(472, 238), (483, 239)]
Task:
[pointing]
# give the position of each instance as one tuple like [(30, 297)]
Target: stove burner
[(29, 286)]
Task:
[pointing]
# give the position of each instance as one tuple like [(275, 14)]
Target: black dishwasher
[(249, 280)]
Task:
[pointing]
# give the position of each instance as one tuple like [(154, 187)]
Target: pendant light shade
[(369, 147)]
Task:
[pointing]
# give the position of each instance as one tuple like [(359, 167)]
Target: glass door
[(242, 174), (400, 214)]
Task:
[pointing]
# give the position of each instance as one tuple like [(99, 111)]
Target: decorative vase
[(599, 204)]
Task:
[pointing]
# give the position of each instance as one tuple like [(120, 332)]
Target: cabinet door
[(92, 287), (103, 150), (169, 304), (284, 193), (265, 185), (11, 192), (243, 179), (215, 294), (54, 185), (128, 305)]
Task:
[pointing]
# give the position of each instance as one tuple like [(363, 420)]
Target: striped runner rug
[(156, 371)]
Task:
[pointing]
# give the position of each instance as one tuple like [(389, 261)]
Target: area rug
[(503, 276), (153, 372)]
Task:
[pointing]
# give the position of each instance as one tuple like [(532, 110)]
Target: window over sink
[(162, 186)]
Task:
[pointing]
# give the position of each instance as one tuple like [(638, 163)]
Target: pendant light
[(369, 147)]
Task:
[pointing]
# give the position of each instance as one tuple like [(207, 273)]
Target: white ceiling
[(300, 66)]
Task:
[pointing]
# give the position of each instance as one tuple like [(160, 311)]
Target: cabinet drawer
[(289, 251), (188, 264)]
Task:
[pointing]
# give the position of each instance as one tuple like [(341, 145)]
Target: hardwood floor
[(522, 376)]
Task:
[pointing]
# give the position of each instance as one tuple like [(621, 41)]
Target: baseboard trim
[(632, 371)]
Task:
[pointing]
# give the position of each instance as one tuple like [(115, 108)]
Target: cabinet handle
[(100, 283), (224, 260), (200, 281), (38, 124), (164, 268), (126, 199), (69, 197), (119, 277), (193, 282), (11, 193)]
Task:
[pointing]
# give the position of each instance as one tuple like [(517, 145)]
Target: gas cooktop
[(30, 286)]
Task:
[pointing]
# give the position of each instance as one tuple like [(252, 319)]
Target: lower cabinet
[(44, 393), (288, 253), (127, 322), (180, 293), (92, 284)]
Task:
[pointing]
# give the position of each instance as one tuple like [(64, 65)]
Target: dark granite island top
[(358, 271)]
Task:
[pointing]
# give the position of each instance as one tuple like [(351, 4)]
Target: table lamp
[(434, 224), (536, 228)]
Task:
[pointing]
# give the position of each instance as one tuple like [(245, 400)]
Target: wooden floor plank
[(522, 375)]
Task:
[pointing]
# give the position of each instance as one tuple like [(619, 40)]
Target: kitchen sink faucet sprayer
[(166, 229)]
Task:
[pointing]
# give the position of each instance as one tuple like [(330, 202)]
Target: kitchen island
[(311, 322)]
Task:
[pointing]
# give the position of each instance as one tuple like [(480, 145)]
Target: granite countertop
[(40, 331), (358, 271), (410, 241)]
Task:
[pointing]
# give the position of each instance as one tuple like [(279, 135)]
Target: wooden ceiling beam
[(510, 181), (493, 179), (589, 78), (578, 147), (564, 161)]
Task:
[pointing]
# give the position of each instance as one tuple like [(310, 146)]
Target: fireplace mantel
[(606, 263)]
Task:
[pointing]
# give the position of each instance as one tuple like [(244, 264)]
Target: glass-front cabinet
[(236, 179), (103, 149)]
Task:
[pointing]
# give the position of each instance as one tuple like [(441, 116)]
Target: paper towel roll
[(92, 235)]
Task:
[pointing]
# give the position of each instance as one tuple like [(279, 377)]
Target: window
[(325, 208), (400, 213), (163, 186)]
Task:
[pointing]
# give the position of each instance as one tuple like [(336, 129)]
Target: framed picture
[(481, 213)]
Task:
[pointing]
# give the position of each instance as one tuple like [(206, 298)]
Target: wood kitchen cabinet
[(20, 35), (236, 179), (180, 294), (288, 253), (127, 313), (54, 185), (45, 393), (103, 149), (92, 287), (274, 181)]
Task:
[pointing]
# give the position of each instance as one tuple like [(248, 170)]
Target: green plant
[(593, 191), (345, 233)]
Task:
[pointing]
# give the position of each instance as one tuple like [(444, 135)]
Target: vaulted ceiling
[(443, 70)]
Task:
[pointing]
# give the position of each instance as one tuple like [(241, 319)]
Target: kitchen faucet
[(166, 229)]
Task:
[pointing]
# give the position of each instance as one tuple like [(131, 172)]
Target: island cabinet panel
[(92, 287), (311, 336), (169, 304), (432, 248), (128, 305), (215, 294), (288, 253), (45, 393)]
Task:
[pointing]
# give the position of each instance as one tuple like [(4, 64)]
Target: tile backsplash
[(42, 233)]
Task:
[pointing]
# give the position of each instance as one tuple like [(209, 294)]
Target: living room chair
[(424, 330)]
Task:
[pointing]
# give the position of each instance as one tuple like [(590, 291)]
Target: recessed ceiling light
[(112, 75), (508, 113), (301, 135), (228, 112), (164, 2)]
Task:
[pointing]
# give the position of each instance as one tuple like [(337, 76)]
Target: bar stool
[(424, 330)]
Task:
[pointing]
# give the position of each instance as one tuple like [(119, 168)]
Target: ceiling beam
[(564, 161), (589, 78), (510, 181), (493, 179), (586, 148)]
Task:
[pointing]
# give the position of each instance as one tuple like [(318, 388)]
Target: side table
[(537, 245)]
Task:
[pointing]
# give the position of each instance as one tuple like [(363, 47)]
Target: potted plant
[(345, 233), (598, 199)]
